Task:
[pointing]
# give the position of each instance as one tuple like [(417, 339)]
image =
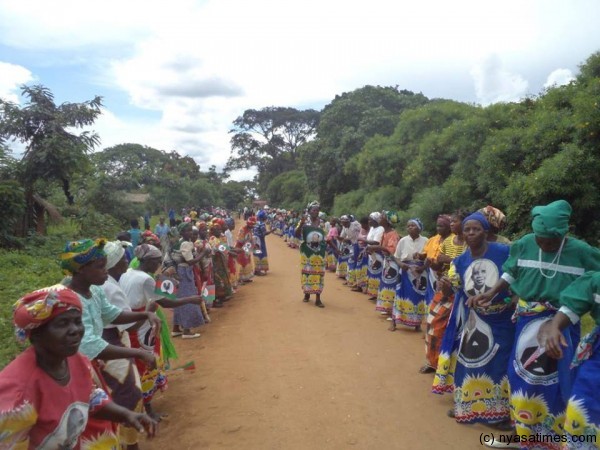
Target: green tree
[(53, 152), (269, 139)]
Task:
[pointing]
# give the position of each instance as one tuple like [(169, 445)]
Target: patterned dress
[(312, 259), (261, 260)]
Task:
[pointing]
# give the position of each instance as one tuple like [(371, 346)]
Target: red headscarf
[(41, 306)]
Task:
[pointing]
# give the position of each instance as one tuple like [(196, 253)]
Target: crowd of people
[(500, 319), (101, 343)]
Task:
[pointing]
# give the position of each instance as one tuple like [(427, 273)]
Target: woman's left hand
[(550, 337), (155, 322)]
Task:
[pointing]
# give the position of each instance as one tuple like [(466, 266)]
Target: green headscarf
[(79, 253), (552, 220)]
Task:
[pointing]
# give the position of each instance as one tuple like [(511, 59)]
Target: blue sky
[(174, 75)]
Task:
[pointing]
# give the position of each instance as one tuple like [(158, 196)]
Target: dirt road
[(273, 372)]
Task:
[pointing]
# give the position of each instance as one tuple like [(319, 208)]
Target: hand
[(480, 300), (155, 322), (445, 285), (142, 423), (196, 299), (550, 337), (148, 358)]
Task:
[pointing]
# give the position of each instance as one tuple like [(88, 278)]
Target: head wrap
[(345, 218), (148, 237), (391, 216), (376, 216), (114, 252), (313, 204), (201, 224), (251, 221), (322, 215), (187, 219), (41, 306), (417, 222), (262, 214), (552, 220), (183, 226), (479, 217), (147, 251), (219, 222), (445, 219), (494, 216), (230, 222), (79, 253)]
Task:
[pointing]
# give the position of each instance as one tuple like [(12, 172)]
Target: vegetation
[(370, 149)]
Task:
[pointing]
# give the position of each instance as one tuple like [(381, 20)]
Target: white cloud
[(559, 77), (493, 83), (13, 76)]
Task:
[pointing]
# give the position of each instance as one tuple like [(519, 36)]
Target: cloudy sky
[(174, 75)]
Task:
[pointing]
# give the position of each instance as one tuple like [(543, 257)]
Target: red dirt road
[(273, 372)]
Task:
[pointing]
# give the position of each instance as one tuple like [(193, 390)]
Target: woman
[(121, 375), (244, 257), (540, 266), (261, 260), (582, 419), (47, 393), (312, 254), (476, 347), (331, 252), (85, 261), (362, 260), (223, 289), (344, 248), (409, 305), (497, 221), (139, 287), (351, 233), (205, 266), (189, 315), (430, 253), (441, 304), (389, 276), (375, 264)]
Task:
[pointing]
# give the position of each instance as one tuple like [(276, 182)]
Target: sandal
[(319, 304), (426, 369), (306, 299), (176, 333)]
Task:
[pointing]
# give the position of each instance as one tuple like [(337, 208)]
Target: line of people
[(101, 344), (501, 319)]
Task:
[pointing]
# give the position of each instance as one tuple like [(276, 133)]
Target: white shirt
[(376, 234), (139, 287), (407, 247), (117, 297), (229, 235)]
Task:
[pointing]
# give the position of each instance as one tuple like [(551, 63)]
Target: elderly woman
[(375, 263), (261, 260), (389, 276), (476, 347), (540, 266), (47, 393), (409, 305), (312, 254)]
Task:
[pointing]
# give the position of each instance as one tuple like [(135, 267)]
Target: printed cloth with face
[(476, 347), (312, 259)]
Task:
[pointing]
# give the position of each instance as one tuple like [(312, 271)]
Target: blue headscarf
[(262, 214), (479, 217), (417, 222)]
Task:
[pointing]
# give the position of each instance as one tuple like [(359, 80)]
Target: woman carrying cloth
[(476, 347), (540, 266), (312, 254)]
